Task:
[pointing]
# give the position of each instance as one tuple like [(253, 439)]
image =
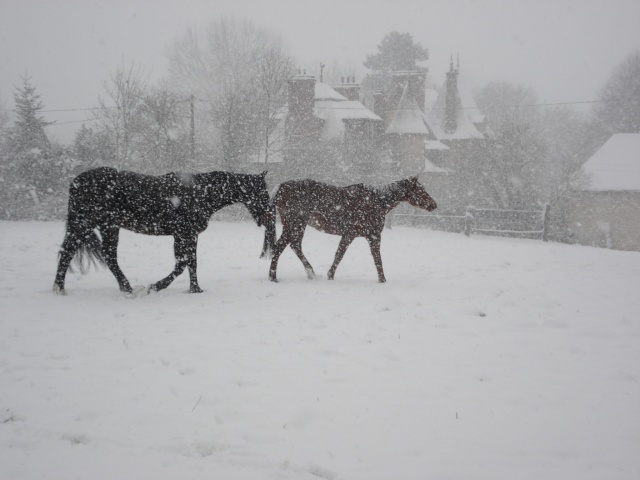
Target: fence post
[(468, 222), (545, 222)]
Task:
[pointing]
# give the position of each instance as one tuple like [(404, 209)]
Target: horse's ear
[(264, 174), (414, 179)]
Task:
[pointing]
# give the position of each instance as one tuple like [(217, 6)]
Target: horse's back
[(329, 208)]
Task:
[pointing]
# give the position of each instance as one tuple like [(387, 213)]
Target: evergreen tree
[(33, 172), (28, 132), (396, 52), (619, 111)]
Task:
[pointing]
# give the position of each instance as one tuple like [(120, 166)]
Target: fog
[(565, 50)]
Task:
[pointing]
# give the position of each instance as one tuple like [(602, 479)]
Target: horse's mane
[(387, 192)]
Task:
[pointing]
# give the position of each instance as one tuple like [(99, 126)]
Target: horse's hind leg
[(191, 248), (374, 244), (110, 237), (278, 248), (345, 241), (296, 246)]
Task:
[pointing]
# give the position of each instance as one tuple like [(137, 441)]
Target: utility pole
[(193, 128)]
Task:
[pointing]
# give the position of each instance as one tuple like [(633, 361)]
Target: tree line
[(222, 98)]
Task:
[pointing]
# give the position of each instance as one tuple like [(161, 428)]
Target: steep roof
[(467, 113), (326, 92), (407, 117), (616, 165), (429, 167)]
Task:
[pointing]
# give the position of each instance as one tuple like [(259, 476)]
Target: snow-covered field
[(480, 358)]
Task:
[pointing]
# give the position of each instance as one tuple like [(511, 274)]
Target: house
[(407, 132), (606, 212), (324, 132), (327, 133)]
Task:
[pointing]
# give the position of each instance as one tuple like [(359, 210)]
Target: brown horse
[(354, 211)]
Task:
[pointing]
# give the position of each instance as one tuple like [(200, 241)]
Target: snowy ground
[(480, 358)]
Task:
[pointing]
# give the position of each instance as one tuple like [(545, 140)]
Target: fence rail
[(505, 223)]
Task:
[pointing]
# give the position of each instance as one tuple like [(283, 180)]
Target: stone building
[(606, 212), (328, 133)]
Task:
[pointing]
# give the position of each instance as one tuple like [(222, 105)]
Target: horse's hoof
[(382, 280), (58, 290), (137, 291), (196, 290)]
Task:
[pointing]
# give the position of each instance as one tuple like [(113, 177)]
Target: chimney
[(452, 100), (348, 88), (301, 94), (379, 107), (416, 81)]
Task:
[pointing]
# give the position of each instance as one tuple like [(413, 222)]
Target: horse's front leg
[(374, 245), (110, 238), (67, 251), (345, 241), (180, 249)]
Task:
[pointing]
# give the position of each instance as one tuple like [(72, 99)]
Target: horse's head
[(416, 195), (256, 197)]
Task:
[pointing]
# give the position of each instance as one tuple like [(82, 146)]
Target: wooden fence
[(506, 223)]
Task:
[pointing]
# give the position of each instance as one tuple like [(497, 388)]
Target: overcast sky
[(564, 49)]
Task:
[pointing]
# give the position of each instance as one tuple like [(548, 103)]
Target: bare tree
[(231, 66), (515, 167), (163, 140), (273, 70), (119, 112), (569, 137)]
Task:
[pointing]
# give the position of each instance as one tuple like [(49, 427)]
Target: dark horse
[(354, 211), (173, 204)]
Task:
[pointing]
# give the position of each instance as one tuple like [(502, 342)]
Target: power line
[(545, 104), (489, 107), (75, 121), (74, 109)]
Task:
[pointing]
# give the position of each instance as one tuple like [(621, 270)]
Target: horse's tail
[(270, 229), (80, 239), (89, 253), (88, 250)]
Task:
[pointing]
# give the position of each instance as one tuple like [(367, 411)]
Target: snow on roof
[(334, 109), (346, 110), (616, 165), (335, 113), (407, 117), (325, 92), (431, 168), (434, 145), (430, 98)]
